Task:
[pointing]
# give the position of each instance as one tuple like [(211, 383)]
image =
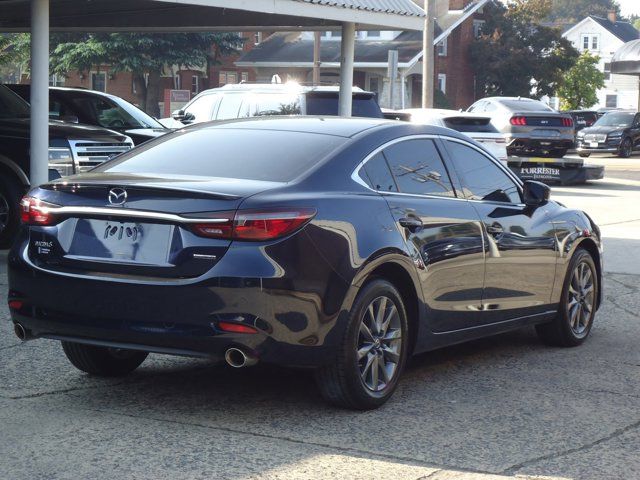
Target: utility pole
[(427, 54), (317, 36)]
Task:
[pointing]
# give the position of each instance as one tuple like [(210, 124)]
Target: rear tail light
[(256, 225), (519, 121), (34, 211), (567, 122)]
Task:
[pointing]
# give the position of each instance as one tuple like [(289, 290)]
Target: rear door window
[(326, 103), (377, 175), (417, 168)]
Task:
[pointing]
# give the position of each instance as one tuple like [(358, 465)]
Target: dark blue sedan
[(344, 245)]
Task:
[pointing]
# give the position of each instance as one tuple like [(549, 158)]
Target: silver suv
[(530, 126), (253, 100)]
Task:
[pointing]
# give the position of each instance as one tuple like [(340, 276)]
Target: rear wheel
[(365, 372), (626, 148), (585, 155), (573, 323), (10, 193), (103, 361)]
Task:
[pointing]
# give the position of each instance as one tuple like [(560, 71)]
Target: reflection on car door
[(520, 241), (442, 231)]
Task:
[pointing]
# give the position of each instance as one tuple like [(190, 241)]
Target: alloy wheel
[(379, 343), (580, 301), (4, 212)]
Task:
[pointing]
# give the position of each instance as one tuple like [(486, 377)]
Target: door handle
[(411, 224), (495, 229)]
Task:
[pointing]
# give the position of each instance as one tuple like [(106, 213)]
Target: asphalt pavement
[(503, 407)]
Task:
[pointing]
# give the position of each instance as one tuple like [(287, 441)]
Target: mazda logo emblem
[(117, 196)]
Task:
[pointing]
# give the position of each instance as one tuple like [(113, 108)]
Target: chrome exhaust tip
[(236, 358), (20, 332)]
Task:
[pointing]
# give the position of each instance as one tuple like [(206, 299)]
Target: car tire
[(10, 194), (574, 320), (365, 372), (103, 361), (626, 148), (585, 155)]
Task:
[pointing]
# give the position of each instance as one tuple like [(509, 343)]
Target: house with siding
[(602, 37)]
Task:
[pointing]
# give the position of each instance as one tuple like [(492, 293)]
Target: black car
[(583, 118), (616, 132), (343, 245), (72, 149), (78, 105)]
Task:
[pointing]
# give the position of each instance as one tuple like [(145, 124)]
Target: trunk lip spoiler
[(131, 213), (64, 187)]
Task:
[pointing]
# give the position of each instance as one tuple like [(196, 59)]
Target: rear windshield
[(326, 103), (526, 106), (275, 156), (466, 124)]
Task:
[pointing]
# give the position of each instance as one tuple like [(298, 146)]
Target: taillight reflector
[(519, 121), (236, 328), (256, 225), (34, 211), (15, 304)]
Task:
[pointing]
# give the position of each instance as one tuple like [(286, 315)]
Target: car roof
[(441, 112), (336, 126), (275, 88)]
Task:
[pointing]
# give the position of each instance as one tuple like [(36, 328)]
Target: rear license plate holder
[(121, 242)]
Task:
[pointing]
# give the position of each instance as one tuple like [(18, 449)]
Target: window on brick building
[(478, 26), (442, 82), (177, 82), (244, 76), (99, 81), (195, 84), (441, 48), (607, 71), (227, 77), (257, 38)]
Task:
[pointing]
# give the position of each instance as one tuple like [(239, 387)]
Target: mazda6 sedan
[(341, 245)]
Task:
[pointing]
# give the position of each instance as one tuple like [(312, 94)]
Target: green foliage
[(14, 48), (636, 23), (572, 11), (517, 56), (580, 84), (440, 100)]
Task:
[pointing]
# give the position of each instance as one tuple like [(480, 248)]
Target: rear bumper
[(294, 326), (532, 144)]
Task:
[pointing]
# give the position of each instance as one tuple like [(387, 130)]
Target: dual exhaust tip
[(237, 358)]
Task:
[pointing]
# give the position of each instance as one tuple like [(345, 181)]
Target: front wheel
[(573, 323), (626, 148), (369, 362), (103, 361)]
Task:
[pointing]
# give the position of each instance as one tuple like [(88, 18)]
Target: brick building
[(290, 55)]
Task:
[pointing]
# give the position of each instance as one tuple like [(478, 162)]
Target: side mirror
[(177, 115), (535, 193), (69, 119)]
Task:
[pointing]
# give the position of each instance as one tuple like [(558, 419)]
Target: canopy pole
[(39, 161), (347, 53)]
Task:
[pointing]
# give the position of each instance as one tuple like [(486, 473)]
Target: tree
[(581, 83), (518, 56), (572, 11), (636, 23), (144, 55)]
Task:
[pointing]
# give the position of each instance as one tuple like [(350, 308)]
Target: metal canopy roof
[(626, 60), (201, 15)]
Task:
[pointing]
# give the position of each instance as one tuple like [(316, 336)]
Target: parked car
[(531, 127), (583, 118), (254, 100), (615, 132), (72, 149), (344, 245), (473, 125), (78, 105)]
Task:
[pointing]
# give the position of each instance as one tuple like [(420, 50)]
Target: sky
[(629, 7)]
